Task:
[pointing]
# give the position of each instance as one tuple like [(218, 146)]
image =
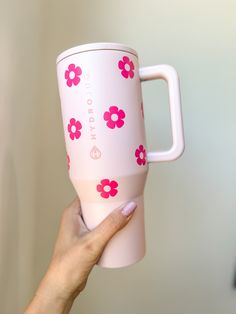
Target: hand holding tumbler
[(103, 119)]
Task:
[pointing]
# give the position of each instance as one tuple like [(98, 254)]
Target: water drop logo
[(95, 153)]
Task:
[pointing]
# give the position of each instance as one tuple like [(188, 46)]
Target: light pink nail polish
[(129, 208)]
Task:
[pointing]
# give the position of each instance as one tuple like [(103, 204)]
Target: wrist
[(50, 299), (54, 287)]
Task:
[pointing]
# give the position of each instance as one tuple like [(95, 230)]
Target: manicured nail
[(129, 208)]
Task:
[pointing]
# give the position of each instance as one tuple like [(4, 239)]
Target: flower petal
[(126, 59), (105, 182), (139, 161), (69, 82), (78, 125), (131, 74), (99, 188), (77, 134), (76, 80), (113, 109), (121, 65), (119, 123), (72, 136), (72, 120), (111, 124), (125, 73), (137, 152), (106, 116), (131, 65), (121, 114), (78, 71), (71, 67), (67, 74), (104, 194), (113, 192), (113, 184)]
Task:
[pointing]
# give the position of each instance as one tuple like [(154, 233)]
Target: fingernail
[(129, 208)]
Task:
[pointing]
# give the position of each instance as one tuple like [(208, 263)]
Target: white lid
[(95, 46)]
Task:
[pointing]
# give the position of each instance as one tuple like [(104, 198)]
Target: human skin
[(76, 252)]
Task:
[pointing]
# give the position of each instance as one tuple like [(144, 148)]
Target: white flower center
[(72, 75), (107, 188), (127, 67), (73, 129), (141, 155), (114, 117)]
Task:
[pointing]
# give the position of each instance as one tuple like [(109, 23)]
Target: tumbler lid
[(94, 46)]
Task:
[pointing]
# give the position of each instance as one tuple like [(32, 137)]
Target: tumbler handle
[(169, 74)]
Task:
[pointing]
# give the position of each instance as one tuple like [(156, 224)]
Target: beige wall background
[(190, 215)]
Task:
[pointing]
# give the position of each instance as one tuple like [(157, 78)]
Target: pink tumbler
[(102, 111)]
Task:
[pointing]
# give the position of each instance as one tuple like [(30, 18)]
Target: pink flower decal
[(68, 161), (127, 67), (107, 188), (72, 75), (141, 155), (114, 117), (74, 129)]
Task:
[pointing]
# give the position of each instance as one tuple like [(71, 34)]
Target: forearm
[(41, 305), (48, 301)]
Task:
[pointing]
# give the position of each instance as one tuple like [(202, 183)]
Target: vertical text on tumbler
[(89, 103)]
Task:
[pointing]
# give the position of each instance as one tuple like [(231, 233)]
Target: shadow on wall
[(9, 236)]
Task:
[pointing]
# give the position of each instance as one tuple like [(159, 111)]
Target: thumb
[(114, 222)]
